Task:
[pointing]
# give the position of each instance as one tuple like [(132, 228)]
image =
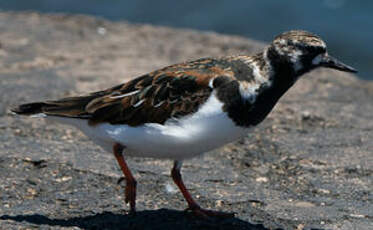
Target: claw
[(207, 214), (120, 180), (130, 194)]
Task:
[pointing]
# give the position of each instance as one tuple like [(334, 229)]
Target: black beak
[(331, 62)]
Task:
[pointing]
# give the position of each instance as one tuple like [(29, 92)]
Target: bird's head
[(299, 51)]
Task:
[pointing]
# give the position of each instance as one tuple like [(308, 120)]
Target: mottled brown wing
[(170, 92)]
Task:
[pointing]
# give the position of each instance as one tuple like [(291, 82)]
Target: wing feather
[(173, 91)]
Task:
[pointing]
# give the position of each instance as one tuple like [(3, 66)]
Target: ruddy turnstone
[(186, 109)]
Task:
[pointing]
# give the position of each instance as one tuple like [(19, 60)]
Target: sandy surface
[(309, 165)]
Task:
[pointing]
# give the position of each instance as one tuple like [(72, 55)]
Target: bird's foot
[(130, 195), (206, 214)]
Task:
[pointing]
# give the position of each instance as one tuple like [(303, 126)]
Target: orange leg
[(193, 206), (130, 191)]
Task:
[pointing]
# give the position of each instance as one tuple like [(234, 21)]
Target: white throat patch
[(296, 60)]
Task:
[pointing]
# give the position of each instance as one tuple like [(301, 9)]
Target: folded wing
[(171, 92)]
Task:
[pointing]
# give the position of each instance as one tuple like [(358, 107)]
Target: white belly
[(207, 129)]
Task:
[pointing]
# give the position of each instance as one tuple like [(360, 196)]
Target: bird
[(184, 110)]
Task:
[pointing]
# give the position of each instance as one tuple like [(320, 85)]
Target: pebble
[(65, 178), (170, 189), (357, 215), (261, 179), (101, 30)]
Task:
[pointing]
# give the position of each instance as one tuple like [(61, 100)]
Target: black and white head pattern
[(299, 50)]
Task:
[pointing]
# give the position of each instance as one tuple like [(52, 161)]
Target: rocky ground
[(308, 166)]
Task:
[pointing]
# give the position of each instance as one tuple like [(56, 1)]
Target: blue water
[(346, 25)]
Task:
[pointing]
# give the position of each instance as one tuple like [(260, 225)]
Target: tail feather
[(29, 109), (66, 107)]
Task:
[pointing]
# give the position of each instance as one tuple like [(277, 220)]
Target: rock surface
[(308, 165)]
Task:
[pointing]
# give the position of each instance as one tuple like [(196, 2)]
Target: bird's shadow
[(156, 219)]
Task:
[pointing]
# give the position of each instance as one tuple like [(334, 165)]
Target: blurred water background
[(346, 25)]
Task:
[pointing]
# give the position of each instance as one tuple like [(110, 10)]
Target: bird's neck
[(279, 79), (281, 66)]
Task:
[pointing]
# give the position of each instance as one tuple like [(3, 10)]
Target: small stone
[(62, 179), (306, 115), (219, 203), (32, 181), (304, 204), (325, 191), (101, 30), (300, 227), (261, 179), (31, 193), (170, 189), (357, 215)]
